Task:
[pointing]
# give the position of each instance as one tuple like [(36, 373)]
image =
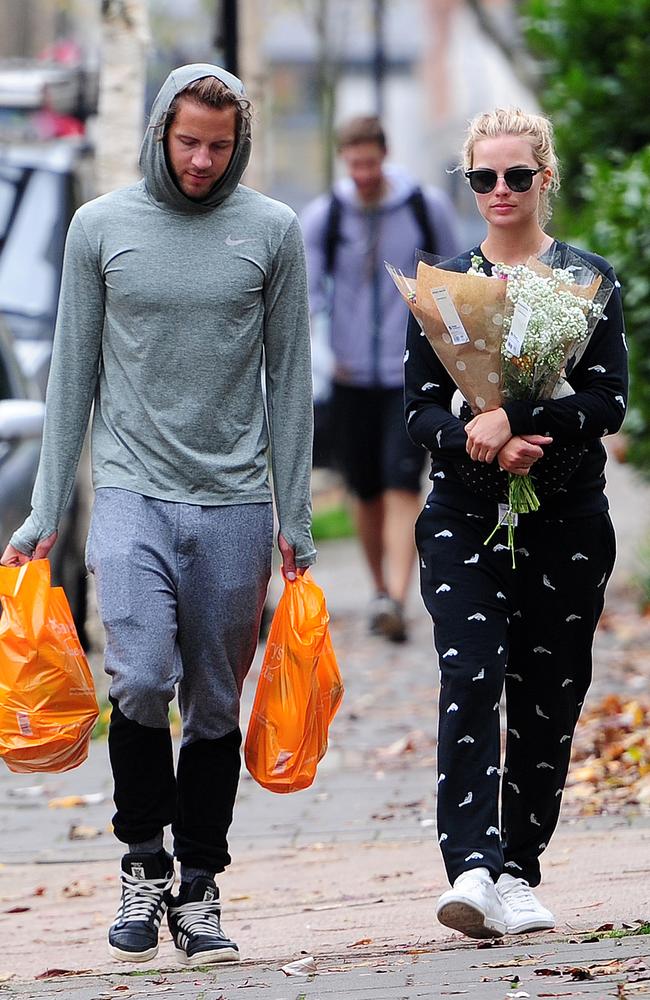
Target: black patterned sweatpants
[(531, 628)]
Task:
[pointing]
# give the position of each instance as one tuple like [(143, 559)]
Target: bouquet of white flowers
[(519, 331)]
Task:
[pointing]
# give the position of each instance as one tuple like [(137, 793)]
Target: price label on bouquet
[(520, 320), (507, 516), (450, 316)]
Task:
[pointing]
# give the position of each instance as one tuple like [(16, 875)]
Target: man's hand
[(519, 454), (14, 557), (486, 435), (289, 568)]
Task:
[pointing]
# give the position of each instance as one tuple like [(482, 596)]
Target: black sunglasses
[(518, 179)]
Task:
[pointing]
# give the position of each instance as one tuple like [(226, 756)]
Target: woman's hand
[(519, 454), (487, 433)]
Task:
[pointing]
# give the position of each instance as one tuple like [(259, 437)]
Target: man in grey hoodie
[(375, 214), (179, 295)]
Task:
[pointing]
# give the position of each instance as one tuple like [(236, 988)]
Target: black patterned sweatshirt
[(597, 407)]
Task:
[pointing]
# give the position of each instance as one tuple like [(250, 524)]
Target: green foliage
[(616, 223), (594, 64), (332, 522), (643, 928), (594, 57)]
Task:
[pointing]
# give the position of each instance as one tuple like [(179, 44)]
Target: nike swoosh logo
[(235, 243)]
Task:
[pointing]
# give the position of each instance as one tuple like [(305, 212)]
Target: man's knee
[(143, 699)]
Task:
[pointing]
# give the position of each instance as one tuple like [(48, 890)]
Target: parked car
[(43, 179), (21, 423), (40, 188)]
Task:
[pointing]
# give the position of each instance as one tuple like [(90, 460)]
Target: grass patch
[(643, 928), (331, 523)]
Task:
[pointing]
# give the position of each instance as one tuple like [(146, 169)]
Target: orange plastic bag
[(47, 697), (298, 692)]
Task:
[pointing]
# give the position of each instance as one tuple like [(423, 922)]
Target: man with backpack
[(375, 214)]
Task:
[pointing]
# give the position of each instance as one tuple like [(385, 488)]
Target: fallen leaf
[(6, 976), (78, 888), (548, 972), (579, 975), (511, 963), (18, 909), (66, 802), (55, 973), (302, 967), (361, 941), (78, 832), (70, 801)]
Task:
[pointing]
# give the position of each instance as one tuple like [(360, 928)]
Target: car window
[(5, 383), (7, 198), (31, 256)]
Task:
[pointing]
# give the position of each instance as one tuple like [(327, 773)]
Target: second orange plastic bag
[(298, 692), (47, 697)]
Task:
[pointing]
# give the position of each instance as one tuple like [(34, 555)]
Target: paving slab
[(347, 871)]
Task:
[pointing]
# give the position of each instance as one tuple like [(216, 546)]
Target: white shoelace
[(141, 898), (519, 896), (202, 918)]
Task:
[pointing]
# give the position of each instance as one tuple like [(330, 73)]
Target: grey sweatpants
[(180, 589)]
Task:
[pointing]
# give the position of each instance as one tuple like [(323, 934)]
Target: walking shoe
[(146, 880), (472, 906), (522, 910), (387, 618), (194, 919)]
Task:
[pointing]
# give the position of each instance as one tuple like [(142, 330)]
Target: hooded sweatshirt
[(367, 315), (169, 308)]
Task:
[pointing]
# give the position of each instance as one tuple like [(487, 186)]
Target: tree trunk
[(125, 39), (253, 71), (510, 43)]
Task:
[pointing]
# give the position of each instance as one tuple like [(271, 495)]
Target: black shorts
[(371, 447)]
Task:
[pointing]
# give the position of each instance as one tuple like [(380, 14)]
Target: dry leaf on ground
[(77, 888), (302, 967), (79, 832), (611, 757)]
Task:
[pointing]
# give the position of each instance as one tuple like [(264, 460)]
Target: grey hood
[(153, 162)]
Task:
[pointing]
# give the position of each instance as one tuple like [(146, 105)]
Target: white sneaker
[(472, 906), (522, 910)]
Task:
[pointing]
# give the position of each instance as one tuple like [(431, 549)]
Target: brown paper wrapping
[(475, 367)]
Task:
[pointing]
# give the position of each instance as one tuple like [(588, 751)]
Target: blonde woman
[(529, 629)]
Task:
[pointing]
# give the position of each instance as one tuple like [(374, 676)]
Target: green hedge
[(616, 223), (594, 58)]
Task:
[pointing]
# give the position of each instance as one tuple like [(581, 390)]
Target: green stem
[(522, 499)]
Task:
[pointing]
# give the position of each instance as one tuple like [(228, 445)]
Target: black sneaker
[(146, 881), (194, 919)]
